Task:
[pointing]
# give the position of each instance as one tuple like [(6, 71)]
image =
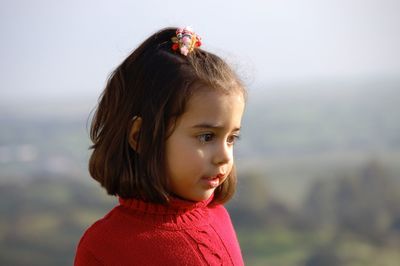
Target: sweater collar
[(175, 206), (177, 214)]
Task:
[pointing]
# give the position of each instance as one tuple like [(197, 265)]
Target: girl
[(163, 137)]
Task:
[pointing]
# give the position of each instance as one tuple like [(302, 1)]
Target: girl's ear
[(133, 137)]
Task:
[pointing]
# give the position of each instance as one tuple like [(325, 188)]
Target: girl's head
[(166, 123)]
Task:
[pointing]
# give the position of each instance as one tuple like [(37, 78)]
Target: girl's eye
[(232, 139), (207, 137)]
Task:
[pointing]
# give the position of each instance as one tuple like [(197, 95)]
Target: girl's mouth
[(212, 181)]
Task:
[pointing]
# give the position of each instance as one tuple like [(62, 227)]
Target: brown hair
[(153, 83)]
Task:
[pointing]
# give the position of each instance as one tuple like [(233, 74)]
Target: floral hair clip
[(186, 40)]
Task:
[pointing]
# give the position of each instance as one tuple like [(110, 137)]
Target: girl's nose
[(223, 154)]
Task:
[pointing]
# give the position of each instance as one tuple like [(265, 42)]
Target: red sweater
[(140, 233)]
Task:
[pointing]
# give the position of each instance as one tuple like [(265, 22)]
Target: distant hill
[(322, 117)]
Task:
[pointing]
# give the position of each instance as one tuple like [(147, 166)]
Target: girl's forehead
[(208, 98), (215, 107), (204, 91)]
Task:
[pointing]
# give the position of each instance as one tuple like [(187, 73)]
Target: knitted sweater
[(141, 233)]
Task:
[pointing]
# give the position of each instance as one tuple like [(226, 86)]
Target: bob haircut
[(153, 83)]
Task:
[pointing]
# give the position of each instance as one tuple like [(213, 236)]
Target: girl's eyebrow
[(210, 126)]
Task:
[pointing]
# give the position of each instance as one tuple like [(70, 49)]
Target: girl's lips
[(219, 176), (212, 181)]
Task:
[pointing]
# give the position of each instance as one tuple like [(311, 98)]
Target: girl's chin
[(196, 198), (204, 196)]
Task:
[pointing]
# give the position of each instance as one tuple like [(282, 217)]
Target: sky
[(55, 50)]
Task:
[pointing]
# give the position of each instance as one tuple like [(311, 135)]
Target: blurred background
[(319, 158)]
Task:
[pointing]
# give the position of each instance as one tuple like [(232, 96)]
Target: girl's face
[(200, 149)]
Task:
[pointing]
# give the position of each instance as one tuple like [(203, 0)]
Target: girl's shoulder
[(102, 225), (220, 210), (220, 214), (87, 248)]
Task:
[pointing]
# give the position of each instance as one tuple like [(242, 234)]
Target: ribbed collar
[(178, 213)]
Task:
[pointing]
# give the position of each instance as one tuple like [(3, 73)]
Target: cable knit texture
[(141, 233)]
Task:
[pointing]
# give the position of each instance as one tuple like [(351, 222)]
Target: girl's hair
[(153, 83)]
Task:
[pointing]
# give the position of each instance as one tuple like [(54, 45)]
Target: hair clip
[(186, 40)]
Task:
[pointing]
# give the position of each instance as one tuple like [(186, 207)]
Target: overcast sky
[(65, 49)]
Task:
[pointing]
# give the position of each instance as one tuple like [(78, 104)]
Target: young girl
[(163, 136)]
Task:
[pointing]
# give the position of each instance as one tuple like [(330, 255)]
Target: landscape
[(318, 165)]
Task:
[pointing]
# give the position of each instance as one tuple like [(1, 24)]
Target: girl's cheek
[(201, 153)]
